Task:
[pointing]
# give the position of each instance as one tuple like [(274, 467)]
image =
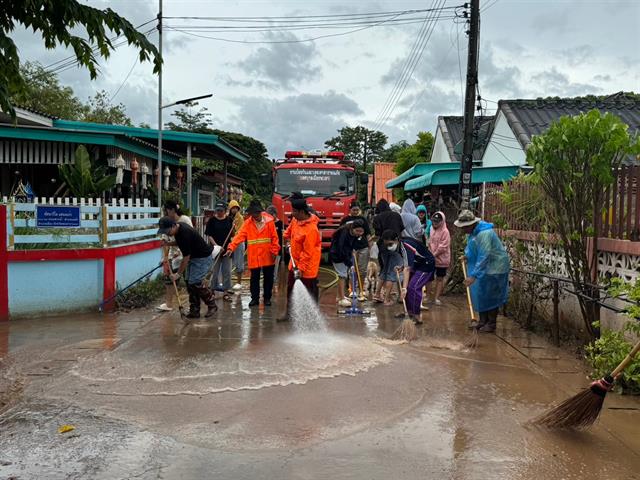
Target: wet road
[(244, 397)]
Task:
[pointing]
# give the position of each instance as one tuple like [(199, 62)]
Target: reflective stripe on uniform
[(259, 240)]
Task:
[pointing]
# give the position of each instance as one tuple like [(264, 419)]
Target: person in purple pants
[(422, 265)]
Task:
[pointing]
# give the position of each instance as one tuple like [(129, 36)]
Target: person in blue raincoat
[(487, 269)]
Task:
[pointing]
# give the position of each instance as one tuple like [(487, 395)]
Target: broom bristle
[(406, 331), (472, 341), (579, 411)]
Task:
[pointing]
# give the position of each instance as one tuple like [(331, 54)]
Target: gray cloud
[(556, 83), (576, 55), (296, 121), (281, 65)]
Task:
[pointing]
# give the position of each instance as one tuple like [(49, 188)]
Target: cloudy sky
[(294, 94)]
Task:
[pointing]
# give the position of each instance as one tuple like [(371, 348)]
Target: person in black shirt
[(385, 219), (196, 254), (271, 210), (361, 245), (218, 233)]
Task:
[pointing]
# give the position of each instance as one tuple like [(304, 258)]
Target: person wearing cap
[(361, 245), (343, 243), (172, 256), (259, 231), (238, 255), (487, 269), (218, 232), (440, 246), (305, 244), (196, 254)]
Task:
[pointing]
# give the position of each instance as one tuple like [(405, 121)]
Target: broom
[(361, 297), (472, 342), (183, 315), (583, 409), (407, 330)]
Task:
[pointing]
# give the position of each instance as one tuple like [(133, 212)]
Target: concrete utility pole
[(160, 105), (466, 165)]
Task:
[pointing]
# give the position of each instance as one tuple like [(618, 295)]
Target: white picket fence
[(118, 222)]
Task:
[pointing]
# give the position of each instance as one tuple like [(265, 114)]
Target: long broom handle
[(464, 272), (355, 262), (175, 287), (404, 302), (112, 297), (628, 359)]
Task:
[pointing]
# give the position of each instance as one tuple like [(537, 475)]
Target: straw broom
[(407, 330), (583, 409), (471, 342)]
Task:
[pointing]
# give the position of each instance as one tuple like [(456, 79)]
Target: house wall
[(503, 149), (440, 154)]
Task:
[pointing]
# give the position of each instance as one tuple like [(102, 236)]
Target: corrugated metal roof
[(533, 117), (452, 128), (383, 172)]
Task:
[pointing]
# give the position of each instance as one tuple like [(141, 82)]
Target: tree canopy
[(359, 144), (55, 22), (419, 152)]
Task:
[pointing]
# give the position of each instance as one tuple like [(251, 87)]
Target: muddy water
[(243, 397)]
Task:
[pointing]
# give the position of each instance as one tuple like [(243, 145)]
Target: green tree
[(101, 110), (419, 152), (83, 179), (253, 174), (57, 22), (43, 93), (389, 154), (574, 162), (359, 144)]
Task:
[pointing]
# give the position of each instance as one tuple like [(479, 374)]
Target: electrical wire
[(135, 62), (403, 82)]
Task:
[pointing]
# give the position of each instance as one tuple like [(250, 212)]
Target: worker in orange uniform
[(306, 250), (259, 231)]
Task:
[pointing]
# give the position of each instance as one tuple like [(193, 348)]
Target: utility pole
[(466, 165), (160, 105)]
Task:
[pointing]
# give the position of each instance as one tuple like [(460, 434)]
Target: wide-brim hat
[(465, 219)]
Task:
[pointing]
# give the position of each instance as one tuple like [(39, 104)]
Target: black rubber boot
[(208, 297), (194, 302)]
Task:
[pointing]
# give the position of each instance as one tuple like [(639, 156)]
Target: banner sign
[(57, 216)]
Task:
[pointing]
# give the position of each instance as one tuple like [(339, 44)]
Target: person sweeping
[(343, 243), (422, 266), (196, 254), (259, 231), (306, 251), (238, 255), (487, 269)]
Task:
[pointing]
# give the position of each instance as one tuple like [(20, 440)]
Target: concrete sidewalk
[(242, 396)]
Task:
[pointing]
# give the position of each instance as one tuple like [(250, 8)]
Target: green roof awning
[(452, 176), (418, 170), (207, 145), (88, 138)]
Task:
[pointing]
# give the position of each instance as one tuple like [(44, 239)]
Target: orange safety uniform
[(262, 245), (306, 245)]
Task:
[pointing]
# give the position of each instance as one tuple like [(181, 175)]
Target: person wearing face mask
[(440, 246), (218, 232), (397, 262), (343, 244), (422, 266)]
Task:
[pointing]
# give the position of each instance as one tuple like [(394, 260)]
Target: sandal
[(377, 299), (227, 298)]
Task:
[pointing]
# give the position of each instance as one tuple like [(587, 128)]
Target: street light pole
[(160, 105)]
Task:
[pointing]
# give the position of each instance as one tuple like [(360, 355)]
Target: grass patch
[(141, 295)]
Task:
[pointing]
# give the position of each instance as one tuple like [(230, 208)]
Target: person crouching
[(196, 255), (343, 243), (422, 266)]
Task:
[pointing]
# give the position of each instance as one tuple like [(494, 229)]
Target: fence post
[(556, 313), (4, 267), (12, 223), (104, 224)]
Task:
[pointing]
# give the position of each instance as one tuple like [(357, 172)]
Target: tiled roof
[(533, 117), (452, 128)]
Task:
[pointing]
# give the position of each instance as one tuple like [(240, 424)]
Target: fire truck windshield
[(314, 182)]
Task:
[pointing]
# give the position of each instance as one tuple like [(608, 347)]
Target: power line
[(135, 62), (430, 27)]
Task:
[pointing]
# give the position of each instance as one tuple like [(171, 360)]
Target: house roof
[(27, 116), (206, 145), (533, 117), (452, 128), (449, 176), (418, 170)]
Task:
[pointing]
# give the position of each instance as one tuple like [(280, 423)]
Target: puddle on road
[(292, 359)]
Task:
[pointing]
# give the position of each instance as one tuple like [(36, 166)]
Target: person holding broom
[(238, 254), (305, 244), (196, 254), (487, 269), (343, 244), (422, 267), (218, 233)]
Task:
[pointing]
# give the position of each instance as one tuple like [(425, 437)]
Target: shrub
[(141, 295)]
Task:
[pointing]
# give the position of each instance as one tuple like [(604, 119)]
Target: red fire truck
[(327, 181)]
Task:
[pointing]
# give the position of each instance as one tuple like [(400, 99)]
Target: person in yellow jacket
[(238, 255), (259, 231)]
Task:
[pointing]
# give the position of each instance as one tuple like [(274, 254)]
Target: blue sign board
[(57, 216)]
